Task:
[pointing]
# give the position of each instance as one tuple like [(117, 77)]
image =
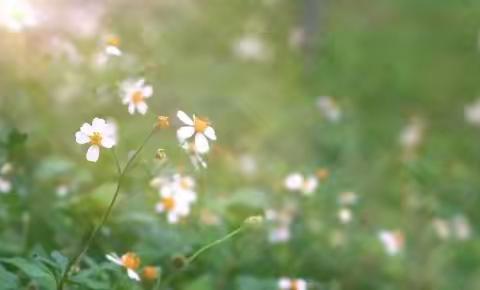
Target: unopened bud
[(163, 122), (323, 174), (179, 262), (150, 273), (161, 155), (254, 220)]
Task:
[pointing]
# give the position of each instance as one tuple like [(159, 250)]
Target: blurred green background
[(256, 69)]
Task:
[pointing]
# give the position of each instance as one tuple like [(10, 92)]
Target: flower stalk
[(106, 214)]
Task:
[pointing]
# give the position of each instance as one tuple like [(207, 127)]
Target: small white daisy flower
[(329, 108), (130, 261), (292, 284), (298, 183), (5, 185), (345, 215), (198, 127), (251, 48), (174, 206), (280, 221), (472, 113), (134, 93), (98, 134), (393, 241), (113, 46)]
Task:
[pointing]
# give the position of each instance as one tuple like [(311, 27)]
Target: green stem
[(105, 216), (214, 243)]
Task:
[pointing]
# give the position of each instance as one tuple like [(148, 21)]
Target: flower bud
[(163, 122), (150, 273), (161, 155), (254, 220), (179, 262)]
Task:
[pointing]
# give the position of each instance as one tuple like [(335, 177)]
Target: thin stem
[(214, 243), (105, 216), (117, 163)]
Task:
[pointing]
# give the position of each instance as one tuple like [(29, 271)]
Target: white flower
[(134, 94), (176, 196), (329, 108), (345, 215), (130, 261), (472, 113), (292, 284), (393, 241), (298, 183), (251, 47), (279, 230), (98, 134), (412, 134), (112, 45), (198, 127), (17, 15), (5, 185)]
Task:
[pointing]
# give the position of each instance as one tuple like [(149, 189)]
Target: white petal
[(114, 259), (185, 132), (201, 143), (159, 207), (184, 118), (172, 217), (86, 129), (81, 138), (284, 283), (139, 84), (108, 142), (147, 91), (131, 108), (133, 275), (310, 185), (301, 284), (93, 153), (294, 181), (113, 50), (98, 125), (142, 108), (210, 133)]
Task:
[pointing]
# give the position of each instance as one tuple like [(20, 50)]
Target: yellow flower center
[(137, 97), (200, 124), (295, 285), (113, 40), (131, 261), (96, 138), (168, 203)]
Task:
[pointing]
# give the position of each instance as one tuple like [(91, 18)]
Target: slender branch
[(117, 163), (214, 243), (105, 216)]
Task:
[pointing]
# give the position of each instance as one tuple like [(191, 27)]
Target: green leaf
[(35, 271), (9, 281)]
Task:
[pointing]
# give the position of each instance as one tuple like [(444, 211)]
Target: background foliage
[(385, 62)]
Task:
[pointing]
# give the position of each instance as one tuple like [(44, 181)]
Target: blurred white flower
[(279, 222), (393, 241), (134, 94), (112, 45), (198, 127), (292, 284), (345, 215), (251, 48), (16, 15), (472, 113), (98, 134), (348, 198), (130, 261), (6, 168), (412, 135), (329, 108), (62, 190), (442, 228), (298, 183), (177, 193), (461, 227), (5, 185)]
